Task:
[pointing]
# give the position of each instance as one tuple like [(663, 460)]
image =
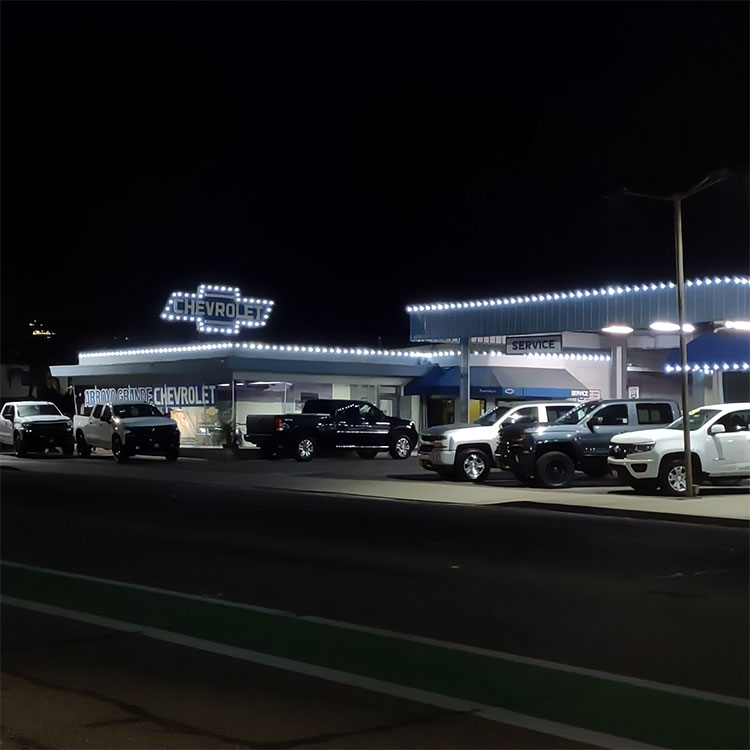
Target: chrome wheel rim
[(677, 478), (403, 447), (473, 466), (305, 448)]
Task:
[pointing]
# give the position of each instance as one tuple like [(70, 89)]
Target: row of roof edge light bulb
[(575, 294), (362, 351), (709, 367)]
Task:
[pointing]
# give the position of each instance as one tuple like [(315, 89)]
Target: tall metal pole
[(689, 488)]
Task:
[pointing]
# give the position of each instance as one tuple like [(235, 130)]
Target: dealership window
[(440, 411)]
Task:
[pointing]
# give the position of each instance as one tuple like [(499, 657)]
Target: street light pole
[(690, 490), (676, 200)]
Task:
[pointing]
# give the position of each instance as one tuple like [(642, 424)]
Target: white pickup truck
[(719, 444), (466, 451), (127, 429), (35, 426)]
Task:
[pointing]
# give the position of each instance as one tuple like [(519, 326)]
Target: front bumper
[(636, 466), (33, 440), (430, 458), (151, 443)]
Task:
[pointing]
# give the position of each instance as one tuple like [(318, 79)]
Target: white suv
[(467, 451), (719, 441)]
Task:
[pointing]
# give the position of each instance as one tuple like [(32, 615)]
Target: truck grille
[(619, 450)]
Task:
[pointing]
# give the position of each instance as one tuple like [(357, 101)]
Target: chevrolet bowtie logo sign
[(217, 309)]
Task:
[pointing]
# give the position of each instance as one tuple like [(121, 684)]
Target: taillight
[(278, 423)]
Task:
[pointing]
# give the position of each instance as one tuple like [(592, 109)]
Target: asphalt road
[(655, 600)]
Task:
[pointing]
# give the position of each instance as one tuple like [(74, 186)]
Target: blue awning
[(715, 348), (498, 382)]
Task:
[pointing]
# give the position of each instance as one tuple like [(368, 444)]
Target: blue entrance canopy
[(498, 382), (715, 348)]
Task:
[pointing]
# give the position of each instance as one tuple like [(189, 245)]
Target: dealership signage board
[(215, 308), (533, 344), (164, 396)]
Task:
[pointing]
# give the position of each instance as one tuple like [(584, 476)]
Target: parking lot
[(404, 480)]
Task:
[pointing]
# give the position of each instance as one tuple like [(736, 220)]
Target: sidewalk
[(713, 503)]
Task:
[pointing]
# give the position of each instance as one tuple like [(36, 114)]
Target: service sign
[(533, 344), (217, 309)]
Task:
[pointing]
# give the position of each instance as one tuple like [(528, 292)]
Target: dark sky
[(347, 159)]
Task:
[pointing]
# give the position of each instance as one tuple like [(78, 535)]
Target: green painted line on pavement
[(595, 703)]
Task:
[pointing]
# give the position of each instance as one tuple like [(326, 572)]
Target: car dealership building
[(465, 357)]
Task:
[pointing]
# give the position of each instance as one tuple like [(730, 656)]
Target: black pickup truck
[(327, 425), (549, 455)]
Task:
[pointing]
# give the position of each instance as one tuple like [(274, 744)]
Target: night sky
[(348, 159)]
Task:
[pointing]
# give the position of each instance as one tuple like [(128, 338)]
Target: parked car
[(466, 451), (35, 426), (127, 429), (327, 425), (719, 445), (579, 440)]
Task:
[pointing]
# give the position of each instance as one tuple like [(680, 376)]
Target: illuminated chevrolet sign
[(217, 309)]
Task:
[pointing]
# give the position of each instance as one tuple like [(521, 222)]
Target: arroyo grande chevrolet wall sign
[(217, 309)]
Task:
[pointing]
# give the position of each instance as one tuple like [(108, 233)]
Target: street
[(658, 604)]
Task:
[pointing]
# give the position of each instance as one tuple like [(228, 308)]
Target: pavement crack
[(23, 743), (328, 736), (137, 711)]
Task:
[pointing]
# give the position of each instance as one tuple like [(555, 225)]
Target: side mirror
[(716, 429), (593, 422)]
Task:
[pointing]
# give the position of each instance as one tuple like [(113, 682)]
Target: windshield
[(37, 410), (128, 411), (696, 419), (577, 413), (493, 415)]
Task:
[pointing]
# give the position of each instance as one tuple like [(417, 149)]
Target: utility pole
[(676, 200)]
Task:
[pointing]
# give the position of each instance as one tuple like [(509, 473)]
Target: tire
[(68, 448), (401, 447), (554, 470), (472, 465), (644, 485), (673, 477), (18, 446), (172, 455), (118, 450), (304, 449), (82, 447), (367, 453)]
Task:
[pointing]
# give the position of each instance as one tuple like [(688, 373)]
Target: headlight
[(24, 426), (643, 447)]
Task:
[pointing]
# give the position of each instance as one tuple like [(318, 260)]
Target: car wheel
[(673, 477), (118, 450), (82, 447), (18, 446), (473, 465), (554, 470), (68, 448), (643, 485), (304, 449), (401, 447), (367, 453)]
